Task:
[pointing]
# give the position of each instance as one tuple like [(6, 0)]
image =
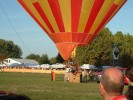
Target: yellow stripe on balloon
[(85, 13), (33, 1), (46, 8), (65, 7), (117, 2), (102, 13), (34, 11)]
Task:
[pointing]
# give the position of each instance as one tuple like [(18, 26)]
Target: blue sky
[(35, 38)]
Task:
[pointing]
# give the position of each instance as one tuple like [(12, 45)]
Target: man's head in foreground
[(111, 83)]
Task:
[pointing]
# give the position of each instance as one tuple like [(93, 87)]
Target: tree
[(53, 60), (9, 49), (44, 59), (126, 50), (59, 58), (34, 57)]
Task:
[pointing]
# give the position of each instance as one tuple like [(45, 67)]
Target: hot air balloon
[(71, 23)]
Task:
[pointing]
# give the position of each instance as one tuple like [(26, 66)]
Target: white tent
[(57, 66), (20, 62), (87, 66)]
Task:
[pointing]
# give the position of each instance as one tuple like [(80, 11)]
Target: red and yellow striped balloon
[(71, 22)]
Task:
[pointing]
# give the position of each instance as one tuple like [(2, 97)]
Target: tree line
[(98, 53), (9, 49), (44, 59)]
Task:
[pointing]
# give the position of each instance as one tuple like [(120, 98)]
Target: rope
[(14, 28)]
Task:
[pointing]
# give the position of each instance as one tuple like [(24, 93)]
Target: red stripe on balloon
[(95, 9), (44, 17), (75, 13), (87, 39), (79, 36), (55, 8), (28, 10), (111, 10), (83, 38)]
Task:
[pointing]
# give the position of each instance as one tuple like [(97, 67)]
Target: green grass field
[(40, 87)]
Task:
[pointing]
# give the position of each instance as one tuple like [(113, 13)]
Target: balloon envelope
[(70, 23)]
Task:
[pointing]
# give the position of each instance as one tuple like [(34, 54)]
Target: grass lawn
[(40, 87)]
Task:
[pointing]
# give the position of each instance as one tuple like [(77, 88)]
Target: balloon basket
[(75, 77)]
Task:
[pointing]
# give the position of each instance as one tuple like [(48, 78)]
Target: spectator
[(84, 75), (129, 75), (91, 75), (67, 73), (112, 84)]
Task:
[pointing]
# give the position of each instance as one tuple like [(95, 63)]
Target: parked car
[(99, 75), (123, 71)]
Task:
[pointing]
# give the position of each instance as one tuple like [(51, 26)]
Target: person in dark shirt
[(129, 76)]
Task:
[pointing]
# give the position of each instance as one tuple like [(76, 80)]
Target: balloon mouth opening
[(65, 49)]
